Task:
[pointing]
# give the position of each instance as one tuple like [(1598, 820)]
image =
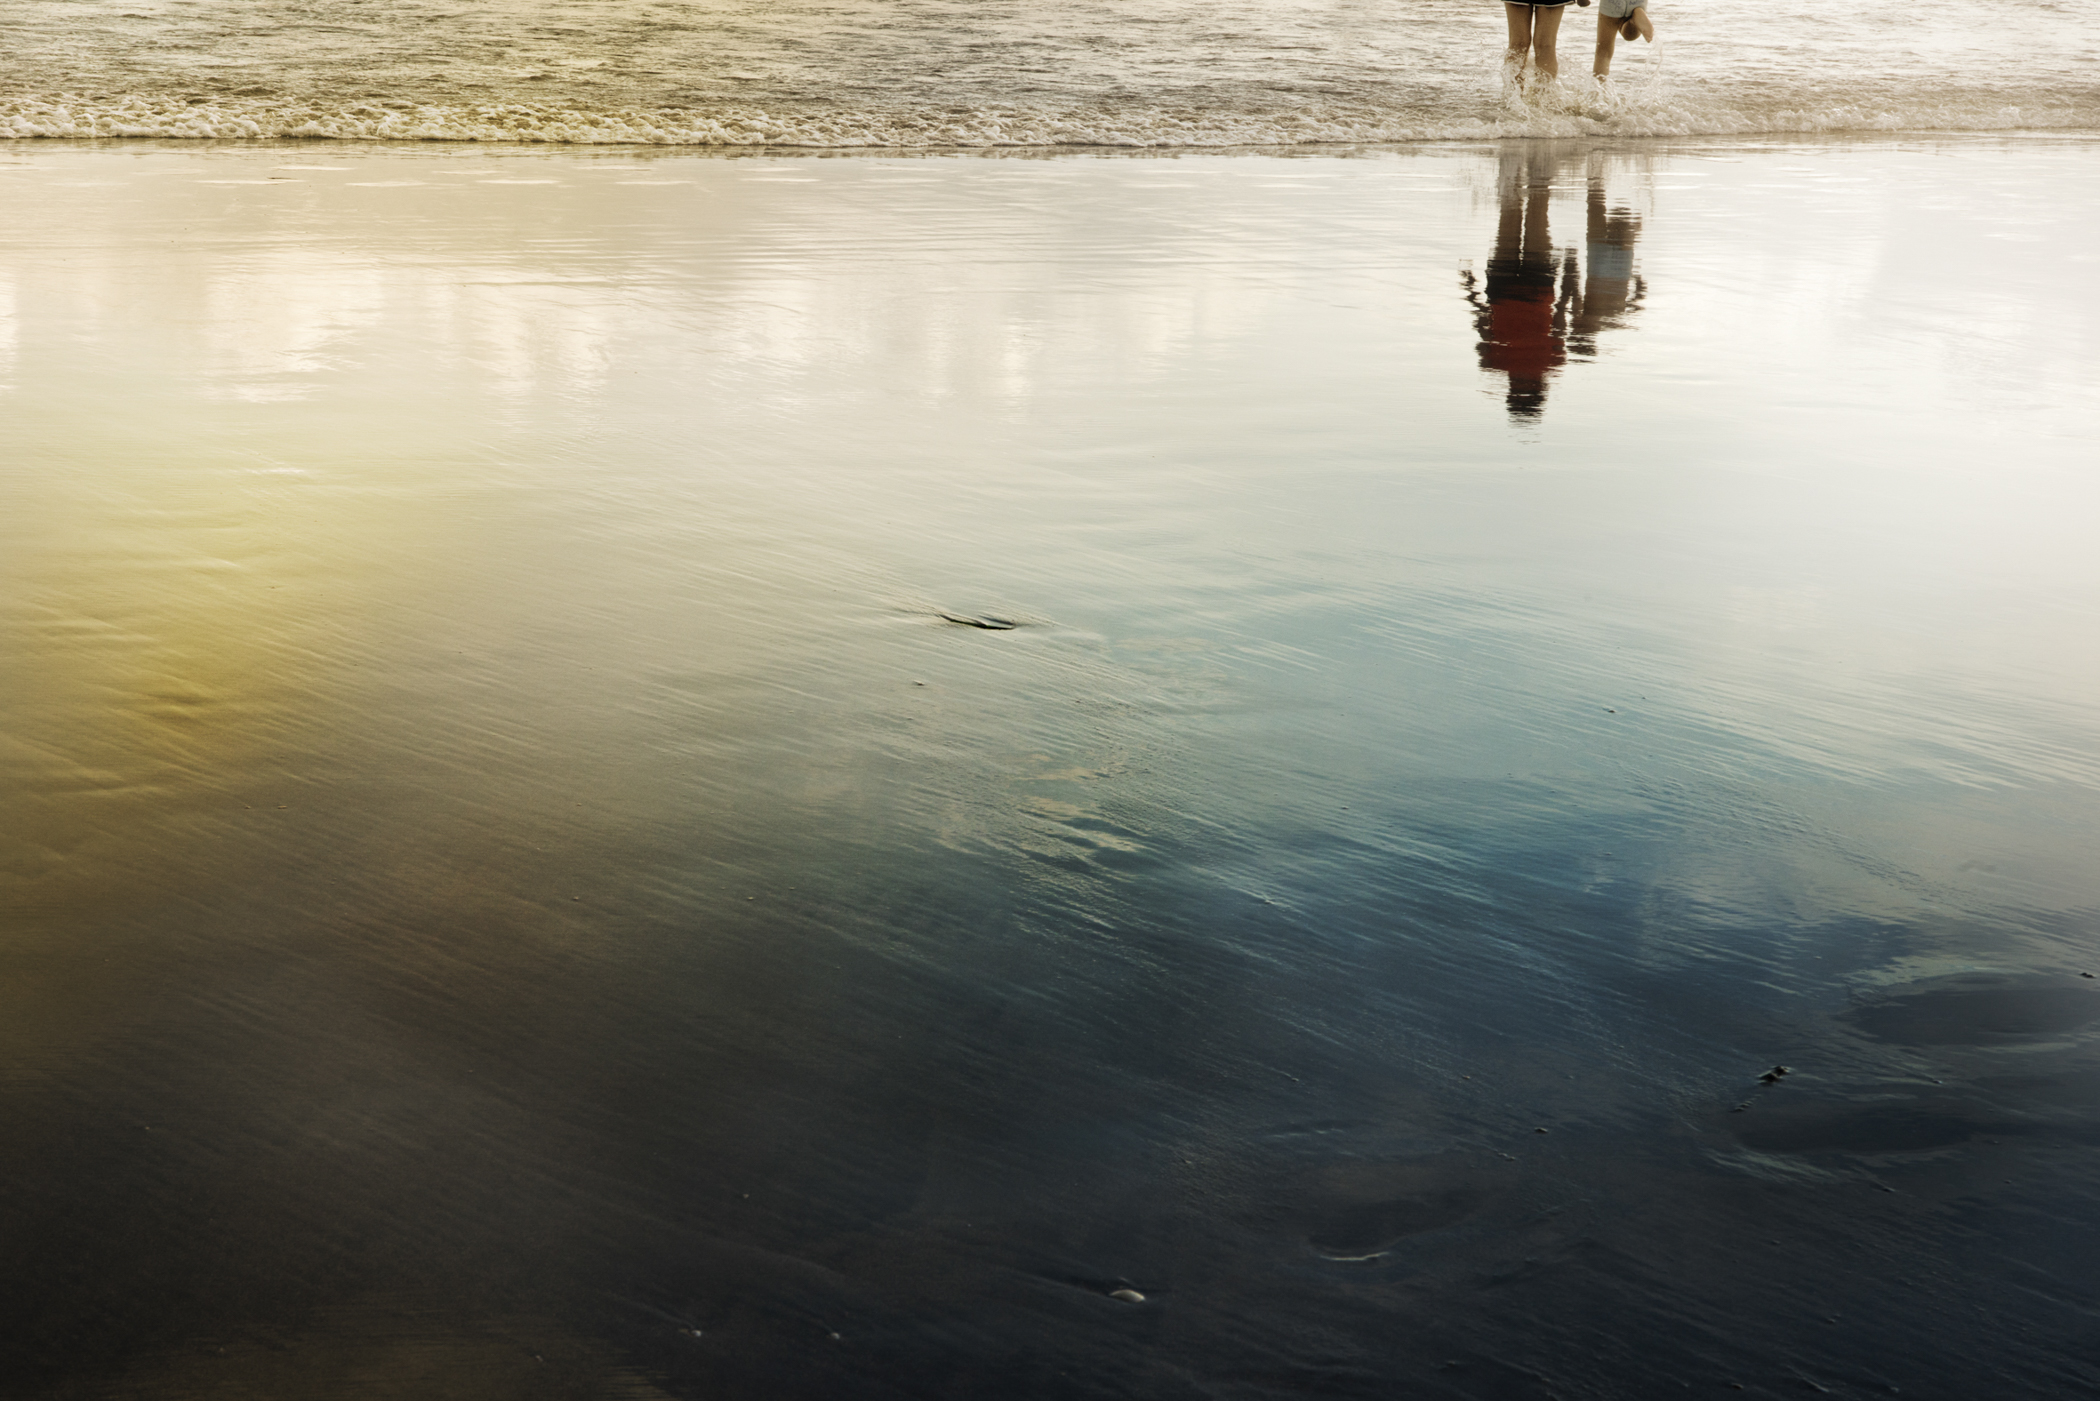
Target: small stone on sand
[(1128, 1296)]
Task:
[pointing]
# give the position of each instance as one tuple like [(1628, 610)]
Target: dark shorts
[(1541, 4)]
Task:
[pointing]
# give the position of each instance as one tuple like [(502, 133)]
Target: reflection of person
[(1616, 20), (1609, 289), (1532, 31), (1537, 308), (1520, 319)]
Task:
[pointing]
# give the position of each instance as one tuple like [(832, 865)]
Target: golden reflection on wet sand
[(509, 861)]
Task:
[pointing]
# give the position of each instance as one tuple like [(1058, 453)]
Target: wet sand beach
[(519, 877)]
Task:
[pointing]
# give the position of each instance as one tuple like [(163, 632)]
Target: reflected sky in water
[(512, 886)]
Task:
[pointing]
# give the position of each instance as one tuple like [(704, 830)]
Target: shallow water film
[(925, 73), (1465, 773)]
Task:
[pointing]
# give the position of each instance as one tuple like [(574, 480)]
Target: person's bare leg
[(1607, 40), (1543, 32), (1638, 23), (1538, 206), (1519, 54)]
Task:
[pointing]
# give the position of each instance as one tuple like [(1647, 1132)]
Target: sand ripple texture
[(923, 73)]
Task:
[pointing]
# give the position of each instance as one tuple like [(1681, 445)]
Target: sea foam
[(930, 125)]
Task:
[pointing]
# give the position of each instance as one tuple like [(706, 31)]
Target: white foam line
[(926, 126)]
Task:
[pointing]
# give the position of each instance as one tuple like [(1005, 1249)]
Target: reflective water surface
[(512, 887)]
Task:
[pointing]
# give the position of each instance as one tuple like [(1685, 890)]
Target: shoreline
[(1602, 141), (1634, 111)]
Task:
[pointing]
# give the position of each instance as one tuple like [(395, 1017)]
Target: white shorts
[(1621, 9), (1610, 261)]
